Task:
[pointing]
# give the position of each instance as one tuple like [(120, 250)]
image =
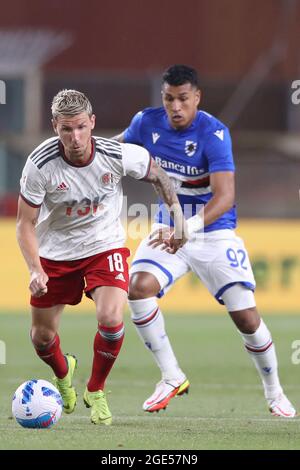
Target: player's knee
[(247, 321), (109, 317), (142, 285), (41, 336), (252, 321)]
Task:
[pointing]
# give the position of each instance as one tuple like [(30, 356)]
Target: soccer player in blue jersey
[(195, 150)]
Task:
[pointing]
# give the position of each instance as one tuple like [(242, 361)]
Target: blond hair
[(70, 103)]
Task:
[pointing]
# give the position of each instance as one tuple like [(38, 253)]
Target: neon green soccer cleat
[(100, 413), (65, 386)]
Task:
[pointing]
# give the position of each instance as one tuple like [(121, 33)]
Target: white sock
[(150, 326), (262, 351)]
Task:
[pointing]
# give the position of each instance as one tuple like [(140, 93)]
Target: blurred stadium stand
[(246, 73)]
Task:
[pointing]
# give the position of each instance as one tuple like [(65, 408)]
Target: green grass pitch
[(225, 408)]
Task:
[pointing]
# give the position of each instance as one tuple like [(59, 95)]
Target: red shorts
[(68, 279)]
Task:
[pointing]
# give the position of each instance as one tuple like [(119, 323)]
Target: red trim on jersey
[(92, 156), (88, 162), (29, 202), (200, 182), (149, 167)]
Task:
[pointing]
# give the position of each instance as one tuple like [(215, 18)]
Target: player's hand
[(38, 283), (160, 237), (165, 237), (175, 242)]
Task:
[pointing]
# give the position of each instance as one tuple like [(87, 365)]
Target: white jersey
[(80, 206)]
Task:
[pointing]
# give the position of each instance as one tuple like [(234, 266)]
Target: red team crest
[(106, 178)]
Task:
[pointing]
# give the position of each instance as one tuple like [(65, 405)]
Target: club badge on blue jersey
[(190, 148)]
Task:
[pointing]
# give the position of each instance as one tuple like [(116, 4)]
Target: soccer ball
[(37, 404)]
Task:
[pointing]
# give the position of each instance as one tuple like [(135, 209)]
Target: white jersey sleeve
[(136, 161), (33, 184)]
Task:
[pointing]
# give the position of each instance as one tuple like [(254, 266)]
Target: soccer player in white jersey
[(70, 234), (195, 150)]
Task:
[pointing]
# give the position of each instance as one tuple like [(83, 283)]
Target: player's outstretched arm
[(26, 236), (165, 189)]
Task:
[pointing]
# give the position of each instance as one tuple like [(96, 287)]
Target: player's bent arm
[(223, 189), (119, 138), (222, 186), (165, 189), (26, 236)]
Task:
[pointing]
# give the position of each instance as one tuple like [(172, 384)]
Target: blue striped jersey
[(189, 156)]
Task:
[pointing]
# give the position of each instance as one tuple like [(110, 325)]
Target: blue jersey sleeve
[(132, 135), (218, 151)]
